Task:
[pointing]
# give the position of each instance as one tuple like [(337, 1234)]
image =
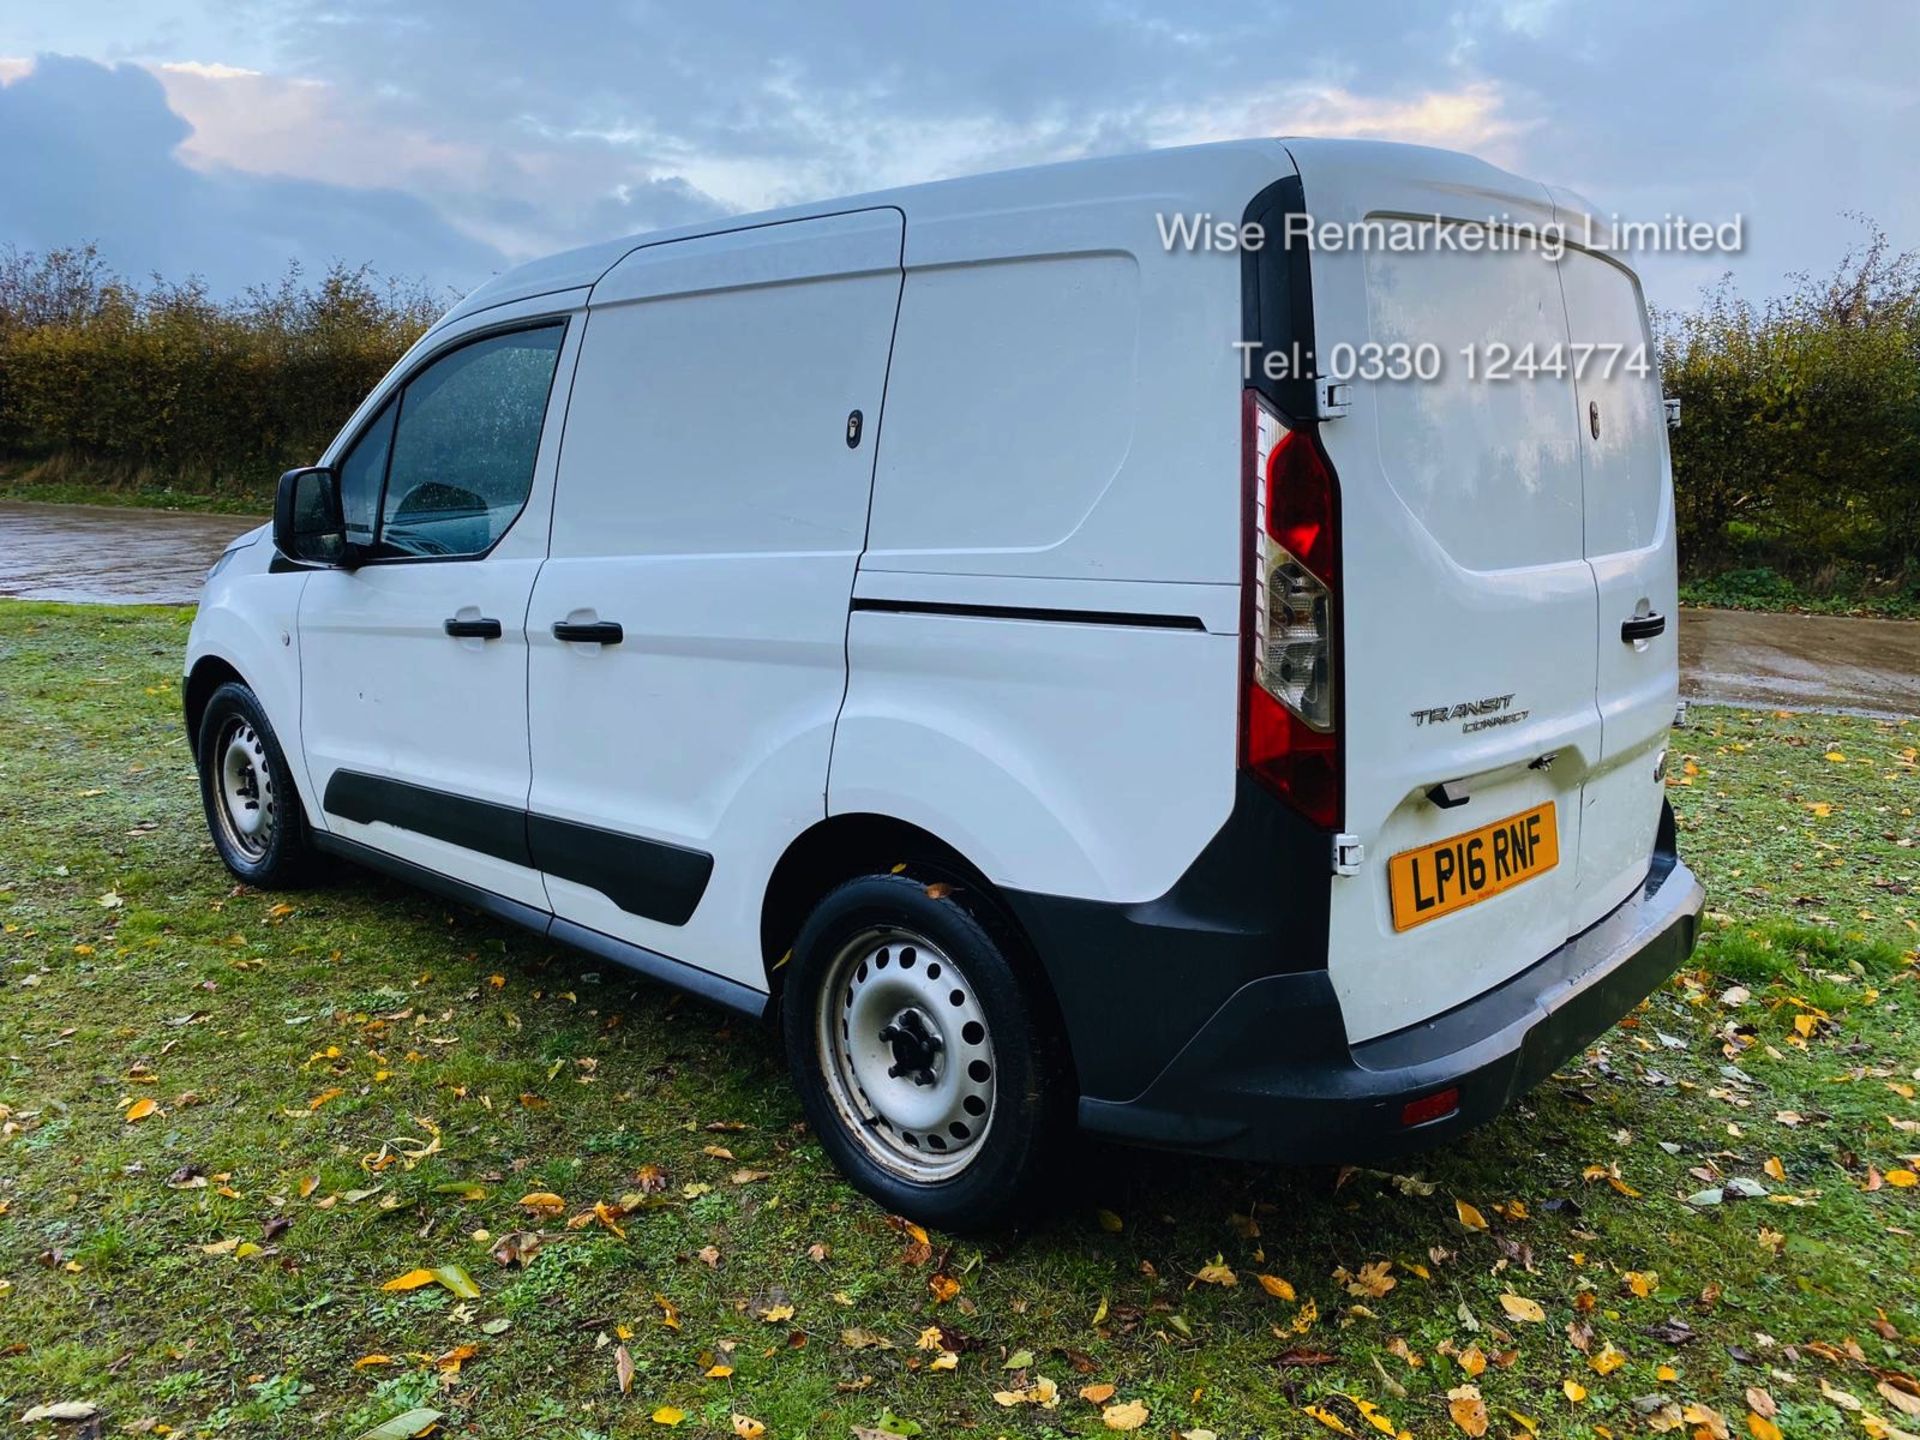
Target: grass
[(391, 1076)]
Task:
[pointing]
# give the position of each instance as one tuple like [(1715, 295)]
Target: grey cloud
[(87, 154)]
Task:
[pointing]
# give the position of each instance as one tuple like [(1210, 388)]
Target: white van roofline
[(1090, 179), (1060, 182)]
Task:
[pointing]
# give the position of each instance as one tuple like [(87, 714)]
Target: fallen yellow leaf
[(668, 1415), (1275, 1286), (412, 1280), (1374, 1416), (141, 1109), (1128, 1416), (1469, 1216), (1218, 1273), (748, 1428), (1519, 1307), (1327, 1418), (1574, 1390), (1468, 1410)]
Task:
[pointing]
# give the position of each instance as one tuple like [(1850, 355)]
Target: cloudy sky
[(447, 139)]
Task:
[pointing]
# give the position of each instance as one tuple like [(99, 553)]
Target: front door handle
[(592, 632), (1642, 627), (482, 629)]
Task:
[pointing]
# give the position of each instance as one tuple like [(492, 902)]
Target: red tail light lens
[(1430, 1107), (1290, 735)]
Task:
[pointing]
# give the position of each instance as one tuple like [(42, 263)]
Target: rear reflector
[(1289, 732), (1436, 1106)]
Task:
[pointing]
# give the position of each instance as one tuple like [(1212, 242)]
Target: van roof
[(1061, 183)]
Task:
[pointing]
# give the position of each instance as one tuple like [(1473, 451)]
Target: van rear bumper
[(1272, 1077)]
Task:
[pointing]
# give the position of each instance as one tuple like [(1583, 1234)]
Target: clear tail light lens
[(1290, 733)]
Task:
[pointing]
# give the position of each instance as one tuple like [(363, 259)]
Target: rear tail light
[(1289, 735)]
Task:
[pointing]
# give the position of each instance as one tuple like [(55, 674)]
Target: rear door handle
[(472, 629), (1642, 627), (594, 632)]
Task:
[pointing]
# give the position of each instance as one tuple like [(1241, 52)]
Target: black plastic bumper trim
[(1235, 1090), (1136, 981)]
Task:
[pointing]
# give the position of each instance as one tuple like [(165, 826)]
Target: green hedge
[(1799, 449), (167, 382)]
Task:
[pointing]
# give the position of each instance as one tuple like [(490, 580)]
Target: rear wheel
[(247, 791), (925, 1059)]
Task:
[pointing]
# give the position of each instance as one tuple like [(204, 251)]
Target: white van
[(1069, 672)]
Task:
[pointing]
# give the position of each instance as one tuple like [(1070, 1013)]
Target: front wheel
[(247, 791), (923, 1054)]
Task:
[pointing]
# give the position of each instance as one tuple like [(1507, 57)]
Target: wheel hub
[(915, 1045), (246, 796), (906, 1053)]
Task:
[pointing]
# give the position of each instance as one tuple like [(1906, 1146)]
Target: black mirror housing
[(309, 526)]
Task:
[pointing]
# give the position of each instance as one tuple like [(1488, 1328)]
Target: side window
[(360, 476), (464, 443)]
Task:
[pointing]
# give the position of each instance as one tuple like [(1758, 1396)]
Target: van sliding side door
[(687, 636)]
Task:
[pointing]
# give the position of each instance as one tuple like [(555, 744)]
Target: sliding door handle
[(1642, 627), (592, 632), (472, 629)]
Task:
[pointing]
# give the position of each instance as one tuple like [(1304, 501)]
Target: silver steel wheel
[(908, 1057), (244, 795)]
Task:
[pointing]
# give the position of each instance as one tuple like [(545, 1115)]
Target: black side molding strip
[(729, 994), (650, 878), (496, 830), (1134, 618), (661, 881), (677, 974), (445, 886)]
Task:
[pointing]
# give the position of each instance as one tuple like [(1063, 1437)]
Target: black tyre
[(246, 788), (929, 1063)]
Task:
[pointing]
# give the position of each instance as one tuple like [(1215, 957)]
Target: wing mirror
[(308, 523)]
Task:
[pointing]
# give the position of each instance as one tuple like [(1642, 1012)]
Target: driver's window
[(464, 444), (361, 474)]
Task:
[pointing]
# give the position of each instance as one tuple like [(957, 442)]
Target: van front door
[(414, 664), (687, 637)]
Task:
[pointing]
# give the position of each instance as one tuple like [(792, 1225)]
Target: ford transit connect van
[(1072, 671)]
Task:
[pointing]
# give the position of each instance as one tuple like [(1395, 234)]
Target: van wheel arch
[(845, 847), (209, 673)]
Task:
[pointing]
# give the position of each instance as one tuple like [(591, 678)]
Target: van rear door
[(1468, 609), (1630, 545)]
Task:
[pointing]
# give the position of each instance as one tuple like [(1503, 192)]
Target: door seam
[(866, 529)]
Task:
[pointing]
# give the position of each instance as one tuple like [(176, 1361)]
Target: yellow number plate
[(1450, 875)]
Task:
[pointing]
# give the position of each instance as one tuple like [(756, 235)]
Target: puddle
[(115, 555)]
